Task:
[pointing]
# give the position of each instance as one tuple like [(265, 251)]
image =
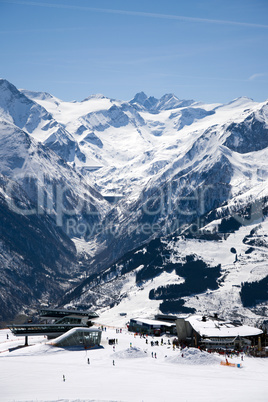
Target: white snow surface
[(195, 356), (156, 323), (35, 373), (220, 329)]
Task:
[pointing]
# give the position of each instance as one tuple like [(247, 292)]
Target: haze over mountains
[(105, 201)]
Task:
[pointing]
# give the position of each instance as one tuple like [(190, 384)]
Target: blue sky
[(211, 50)]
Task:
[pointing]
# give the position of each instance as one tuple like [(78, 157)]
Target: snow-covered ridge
[(121, 145)]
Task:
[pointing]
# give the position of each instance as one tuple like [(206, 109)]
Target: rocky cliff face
[(251, 134)]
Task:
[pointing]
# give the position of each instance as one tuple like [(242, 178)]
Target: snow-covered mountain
[(222, 270), (123, 143), (47, 179), (28, 115), (39, 195), (204, 175), (168, 167), (37, 259)]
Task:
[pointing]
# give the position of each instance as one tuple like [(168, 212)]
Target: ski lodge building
[(151, 327), (214, 333), (69, 327)]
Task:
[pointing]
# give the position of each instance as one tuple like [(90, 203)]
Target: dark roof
[(60, 312), (166, 317), (42, 329)]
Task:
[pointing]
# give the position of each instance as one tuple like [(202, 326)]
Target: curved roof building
[(86, 337)]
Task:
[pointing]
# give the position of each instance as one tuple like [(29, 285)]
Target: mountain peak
[(11, 97), (5, 85), (96, 96), (166, 102), (241, 101), (3, 81), (169, 96), (140, 98), (33, 95)]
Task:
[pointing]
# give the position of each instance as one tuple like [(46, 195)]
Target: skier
[(63, 378), (88, 361), (113, 363)]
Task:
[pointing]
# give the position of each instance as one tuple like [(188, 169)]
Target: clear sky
[(207, 50)]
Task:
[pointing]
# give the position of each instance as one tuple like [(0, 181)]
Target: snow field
[(36, 373)]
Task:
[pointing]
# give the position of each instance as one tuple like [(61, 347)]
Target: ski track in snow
[(35, 373)]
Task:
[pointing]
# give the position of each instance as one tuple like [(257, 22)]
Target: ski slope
[(36, 373)]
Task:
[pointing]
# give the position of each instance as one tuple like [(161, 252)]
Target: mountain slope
[(182, 275), (47, 179), (206, 176), (37, 260), (28, 115)]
